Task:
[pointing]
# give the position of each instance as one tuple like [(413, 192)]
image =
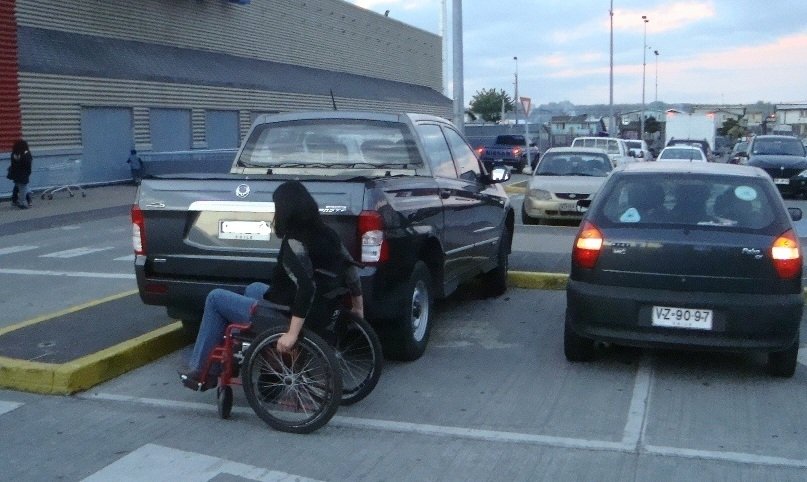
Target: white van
[(617, 150)]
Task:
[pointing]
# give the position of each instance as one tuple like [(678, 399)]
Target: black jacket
[(20, 169)]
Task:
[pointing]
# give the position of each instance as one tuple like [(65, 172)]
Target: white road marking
[(16, 249), (72, 253), (6, 407), (129, 257), (637, 412), (493, 435), (155, 462), (72, 274)]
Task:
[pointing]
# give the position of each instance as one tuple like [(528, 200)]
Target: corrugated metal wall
[(10, 121), (327, 34), (52, 106)]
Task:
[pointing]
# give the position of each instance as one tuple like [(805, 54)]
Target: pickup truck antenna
[(333, 101)]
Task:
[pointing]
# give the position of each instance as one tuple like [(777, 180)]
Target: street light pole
[(644, 65), (515, 100), (656, 52), (611, 123)]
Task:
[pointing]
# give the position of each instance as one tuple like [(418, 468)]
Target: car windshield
[(783, 147), (679, 154), (707, 201), (573, 164), (338, 143), (740, 147)]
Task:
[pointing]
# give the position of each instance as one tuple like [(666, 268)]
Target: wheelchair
[(337, 360)]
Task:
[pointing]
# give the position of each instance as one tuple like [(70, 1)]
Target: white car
[(564, 175), (681, 153)]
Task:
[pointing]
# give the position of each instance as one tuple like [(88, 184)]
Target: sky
[(709, 51)]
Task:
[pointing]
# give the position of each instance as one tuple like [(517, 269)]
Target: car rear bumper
[(741, 322)]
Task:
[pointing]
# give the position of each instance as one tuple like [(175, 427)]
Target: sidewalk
[(64, 209)]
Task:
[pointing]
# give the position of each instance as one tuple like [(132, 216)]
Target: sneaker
[(192, 379)]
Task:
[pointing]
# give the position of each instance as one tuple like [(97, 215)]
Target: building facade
[(91, 79)]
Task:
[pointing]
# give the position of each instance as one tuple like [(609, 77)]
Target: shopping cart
[(62, 176)]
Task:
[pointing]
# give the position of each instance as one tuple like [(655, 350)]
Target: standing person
[(307, 245), (19, 171), (136, 166)]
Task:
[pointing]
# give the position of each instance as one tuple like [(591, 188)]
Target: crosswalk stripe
[(16, 249), (156, 462), (70, 274), (129, 257), (6, 407), (72, 253)]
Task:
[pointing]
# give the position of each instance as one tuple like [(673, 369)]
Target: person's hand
[(286, 342)]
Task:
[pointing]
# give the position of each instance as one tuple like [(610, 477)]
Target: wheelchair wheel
[(358, 353), (224, 400), (295, 392)]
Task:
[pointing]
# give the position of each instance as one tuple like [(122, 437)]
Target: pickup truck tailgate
[(193, 224)]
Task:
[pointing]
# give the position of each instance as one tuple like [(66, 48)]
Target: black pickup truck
[(510, 150), (406, 193)]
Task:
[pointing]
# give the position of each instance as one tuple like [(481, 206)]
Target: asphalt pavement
[(62, 353)]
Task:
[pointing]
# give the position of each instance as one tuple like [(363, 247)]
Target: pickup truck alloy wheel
[(420, 310)]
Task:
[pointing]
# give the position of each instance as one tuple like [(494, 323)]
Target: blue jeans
[(22, 194), (222, 307)]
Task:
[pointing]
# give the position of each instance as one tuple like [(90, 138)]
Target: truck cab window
[(464, 157), (434, 143)]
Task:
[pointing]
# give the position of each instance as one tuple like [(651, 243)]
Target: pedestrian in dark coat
[(20, 172)]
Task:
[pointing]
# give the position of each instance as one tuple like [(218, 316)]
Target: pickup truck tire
[(408, 334), (495, 281), (526, 219)]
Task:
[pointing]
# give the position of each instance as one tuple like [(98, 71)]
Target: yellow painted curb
[(90, 370), (537, 281), (516, 188)]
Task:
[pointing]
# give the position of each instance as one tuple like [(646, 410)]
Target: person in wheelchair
[(308, 249)]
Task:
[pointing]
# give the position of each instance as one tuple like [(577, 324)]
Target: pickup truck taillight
[(516, 151), (480, 151), (138, 231), (371, 237)]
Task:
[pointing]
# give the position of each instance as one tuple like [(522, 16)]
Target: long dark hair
[(20, 147)]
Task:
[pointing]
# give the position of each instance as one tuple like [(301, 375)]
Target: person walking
[(19, 171), (136, 166), (307, 245)]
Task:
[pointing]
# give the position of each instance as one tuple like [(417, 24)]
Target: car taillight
[(371, 237), (516, 151), (786, 255), (587, 246), (138, 231)]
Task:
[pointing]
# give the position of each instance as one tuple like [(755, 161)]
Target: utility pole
[(644, 64), (656, 98), (459, 96), (611, 121), (515, 99)]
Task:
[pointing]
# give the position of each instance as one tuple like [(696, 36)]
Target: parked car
[(739, 153), (616, 149), (639, 149), (784, 158), (405, 192), (681, 153), (695, 256), (563, 176), (700, 144)]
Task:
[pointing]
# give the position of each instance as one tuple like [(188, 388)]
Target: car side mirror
[(640, 154), (795, 213), (499, 174), (583, 205)]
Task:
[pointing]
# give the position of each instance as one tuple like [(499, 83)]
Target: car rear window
[(723, 202), (330, 142), (784, 147)]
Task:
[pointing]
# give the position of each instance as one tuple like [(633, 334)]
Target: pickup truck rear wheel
[(408, 334)]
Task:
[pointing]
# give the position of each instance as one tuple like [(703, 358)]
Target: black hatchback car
[(687, 255)]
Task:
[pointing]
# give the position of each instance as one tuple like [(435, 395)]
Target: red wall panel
[(10, 118)]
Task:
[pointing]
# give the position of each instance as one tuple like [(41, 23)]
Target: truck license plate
[(245, 230), (779, 180), (675, 317)]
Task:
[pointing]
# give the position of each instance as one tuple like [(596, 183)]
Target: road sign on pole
[(525, 104)]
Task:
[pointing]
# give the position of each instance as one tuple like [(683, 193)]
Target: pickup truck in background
[(617, 150), (405, 192), (510, 150)]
